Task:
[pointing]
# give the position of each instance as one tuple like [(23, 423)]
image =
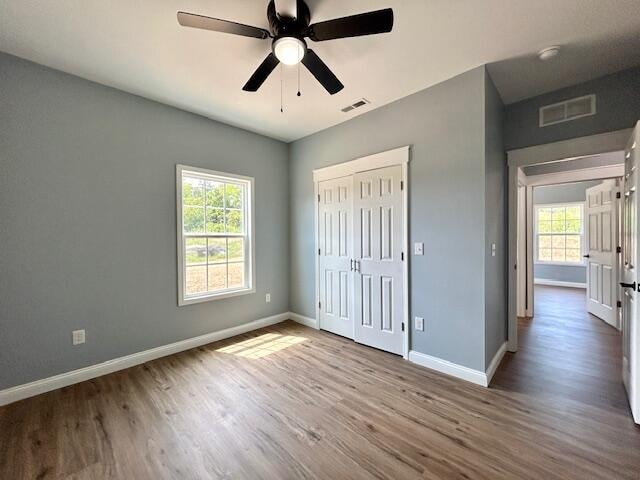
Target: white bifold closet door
[(378, 274), (360, 272), (335, 242)]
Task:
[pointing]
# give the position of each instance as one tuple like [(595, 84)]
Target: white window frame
[(538, 206), (249, 253)]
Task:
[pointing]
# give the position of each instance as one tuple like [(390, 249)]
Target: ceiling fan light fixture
[(289, 50)]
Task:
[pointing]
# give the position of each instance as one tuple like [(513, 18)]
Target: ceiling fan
[(289, 26)]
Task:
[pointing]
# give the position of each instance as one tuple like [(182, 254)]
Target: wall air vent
[(360, 103), (568, 110)]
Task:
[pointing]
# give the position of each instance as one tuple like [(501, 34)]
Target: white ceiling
[(138, 46)]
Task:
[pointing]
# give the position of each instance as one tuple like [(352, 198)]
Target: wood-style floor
[(298, 403)]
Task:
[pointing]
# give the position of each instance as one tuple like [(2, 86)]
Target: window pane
[(234, 221), (235, 195), (217, 277), (217, 250), (193, 219), (573, 255), (192, 191), (215, 194), (573, 241), (195, 250), (558, 241), (236, 249), (544, 214), (557, 255), (557, 214), (236, 275), (215, 220), (573, 226), (196, 280), (544, 254), (544, 241), (544, 227), (573, 213), (558, 226)]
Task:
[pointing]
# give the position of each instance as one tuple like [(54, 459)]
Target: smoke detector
[(548, 53)]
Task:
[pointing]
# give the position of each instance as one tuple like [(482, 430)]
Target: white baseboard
[(449, 368), (37, 387), (558, 283), (309, 322), (495, 362), (465, 373)]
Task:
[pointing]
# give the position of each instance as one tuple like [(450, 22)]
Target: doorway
[(609, 222), (361, 244)]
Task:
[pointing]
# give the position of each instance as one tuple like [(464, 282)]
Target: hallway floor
[(566, 353)]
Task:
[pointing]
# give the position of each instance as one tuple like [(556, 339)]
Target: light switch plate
[(419, 323), (78, 337), (267, 298), (493, 249), (418, 248)]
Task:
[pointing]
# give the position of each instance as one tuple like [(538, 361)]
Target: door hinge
[(403, 326), (618, 249), (619, 304), (319, 305), (401, 185), (318, 251), (617, 194), (402, 256), (318, 198)]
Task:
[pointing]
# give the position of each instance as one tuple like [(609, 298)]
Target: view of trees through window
[(559, 233), (213, 221)]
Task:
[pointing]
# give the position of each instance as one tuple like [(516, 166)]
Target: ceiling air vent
[(360, 103), (568, 110)]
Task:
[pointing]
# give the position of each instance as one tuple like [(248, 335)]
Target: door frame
[(396, 157), (551, 152)]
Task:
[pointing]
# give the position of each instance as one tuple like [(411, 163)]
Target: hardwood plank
[(322, 406)]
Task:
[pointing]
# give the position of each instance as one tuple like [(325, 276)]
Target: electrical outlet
[(418, 248), (267, 298), (419, 323), (493, 249), (78, 337)]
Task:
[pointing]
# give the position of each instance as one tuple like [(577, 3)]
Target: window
[(559, 233), (215, 240)]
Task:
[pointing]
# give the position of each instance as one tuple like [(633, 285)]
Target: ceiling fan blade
[(287, 8), (261, 73), (370, 23), (322, 73), (218, 25)]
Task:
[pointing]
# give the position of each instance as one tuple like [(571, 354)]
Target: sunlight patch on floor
[(262, 346)]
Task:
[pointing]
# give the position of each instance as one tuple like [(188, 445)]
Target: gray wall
[(445, 126), (495, 222), (617, 104), (570, 192), (87, 221)]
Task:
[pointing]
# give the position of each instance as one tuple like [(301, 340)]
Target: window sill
[(215, 296), (561, 264)]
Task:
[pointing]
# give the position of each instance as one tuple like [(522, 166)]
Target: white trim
[(448, 368), (389, 158), (301, 319), (570, 149), (558, 283), (453, 369), (399, 156), (495, 362), (580, 175), (37, 387), (249, 236)]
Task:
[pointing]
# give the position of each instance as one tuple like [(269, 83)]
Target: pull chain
[(299, 74), (281, 108)]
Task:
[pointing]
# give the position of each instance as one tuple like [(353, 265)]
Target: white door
[(600, 232), (630, 326), (378, 255), (335, 241)]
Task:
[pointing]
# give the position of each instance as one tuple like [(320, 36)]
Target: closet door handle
[(628, 285)]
